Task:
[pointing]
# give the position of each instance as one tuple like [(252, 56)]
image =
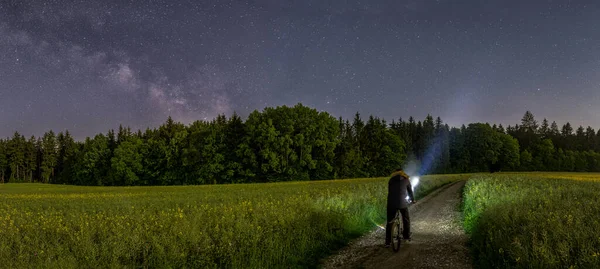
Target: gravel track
[(438, 240)]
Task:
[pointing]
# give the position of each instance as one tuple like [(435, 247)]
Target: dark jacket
[(398, 188)]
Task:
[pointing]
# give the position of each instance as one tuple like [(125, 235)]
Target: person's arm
[(410, 191)]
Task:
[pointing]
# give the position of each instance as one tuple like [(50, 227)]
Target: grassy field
[(534, 220), (280, 225)]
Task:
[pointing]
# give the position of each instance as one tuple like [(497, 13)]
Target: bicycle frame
[(397, 229)]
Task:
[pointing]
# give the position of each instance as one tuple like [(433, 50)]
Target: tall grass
[(280, 225), (534, 220)]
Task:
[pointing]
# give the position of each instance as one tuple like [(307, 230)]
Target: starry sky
[(88, 66)]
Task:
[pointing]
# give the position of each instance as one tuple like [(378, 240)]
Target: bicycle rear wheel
[(396, 236)]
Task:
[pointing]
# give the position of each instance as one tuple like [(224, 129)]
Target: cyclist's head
[(401, 173)]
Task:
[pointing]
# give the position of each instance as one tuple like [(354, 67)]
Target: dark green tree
[(526, 161), (67, 150), (590, 137), (16, 153), (49, 156), (580, 139), (126, 164), (483, 145), (3, 160), (544, 130), (93, 162), (30, 156), (543, 157), (509, 157)]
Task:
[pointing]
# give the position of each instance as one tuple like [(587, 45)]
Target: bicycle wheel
[(396, 236)]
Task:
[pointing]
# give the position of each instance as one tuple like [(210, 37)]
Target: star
[(136, 63)]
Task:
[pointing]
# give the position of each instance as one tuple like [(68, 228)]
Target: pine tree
[(527, 133), (590, 135), (66, 152), (30, 158), (39, 153), (112, 140), (234, 138), (554, 132), (3, 160), (501, 129), (123, 134), (580, 139), (442, 147), (49, 156), (597, 143), (528, 122), (17, 157), (567, 130), (544, 129), (60, 143), (566, 134)]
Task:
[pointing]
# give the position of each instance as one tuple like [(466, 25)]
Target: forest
[(294, 143)]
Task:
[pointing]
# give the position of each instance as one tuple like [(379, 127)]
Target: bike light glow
[(414, 181)]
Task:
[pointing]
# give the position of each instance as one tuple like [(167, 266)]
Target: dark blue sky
[(88, 66)]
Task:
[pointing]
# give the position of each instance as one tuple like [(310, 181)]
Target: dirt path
[(438, 240)]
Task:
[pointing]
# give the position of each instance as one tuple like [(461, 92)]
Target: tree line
[(293, 143)]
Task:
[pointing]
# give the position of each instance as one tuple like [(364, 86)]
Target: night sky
[(88, 66)]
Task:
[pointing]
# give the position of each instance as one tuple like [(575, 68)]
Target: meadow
[(275, 225), (534, 220)]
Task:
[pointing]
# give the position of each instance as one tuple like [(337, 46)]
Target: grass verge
[(533, 220)]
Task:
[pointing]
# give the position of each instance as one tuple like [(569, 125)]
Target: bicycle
[(397, 231)]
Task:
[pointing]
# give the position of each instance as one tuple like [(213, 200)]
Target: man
[(398, 187)]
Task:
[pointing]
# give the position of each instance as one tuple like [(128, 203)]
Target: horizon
[(81, 138)]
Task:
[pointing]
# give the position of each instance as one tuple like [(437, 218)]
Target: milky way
[(88, 66)]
